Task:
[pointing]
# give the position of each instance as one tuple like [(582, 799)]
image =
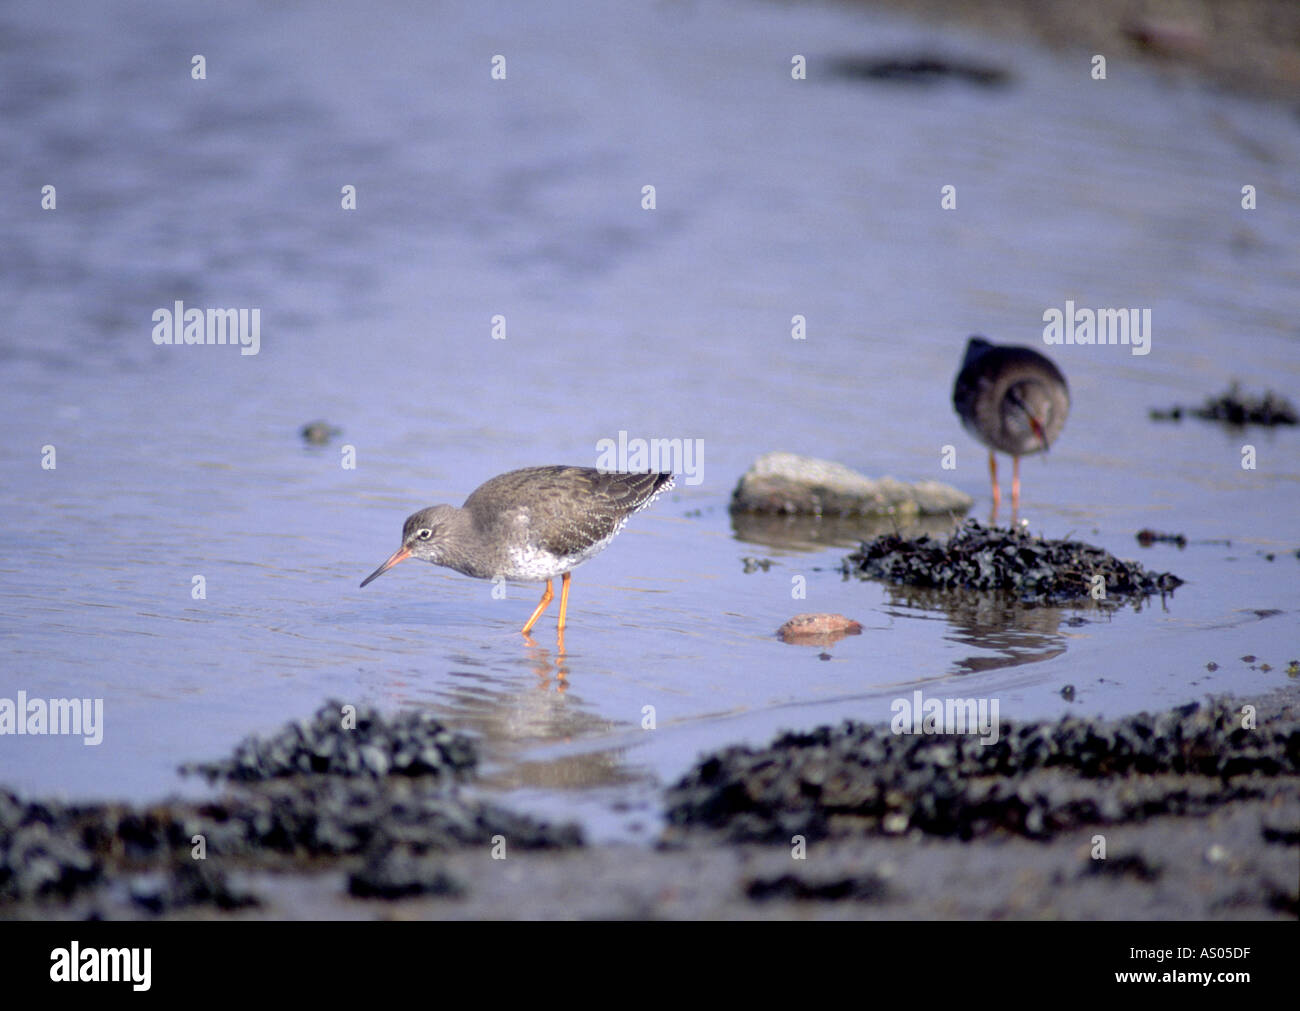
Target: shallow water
[(522, 198)]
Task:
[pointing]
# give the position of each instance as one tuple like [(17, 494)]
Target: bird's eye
[(425, 534)]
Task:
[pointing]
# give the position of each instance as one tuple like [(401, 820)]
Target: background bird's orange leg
[(546, 599), (564, 599), (1015, 482), (993, 473)]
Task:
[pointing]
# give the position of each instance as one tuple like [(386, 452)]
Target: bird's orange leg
[(564, 599), (1015, 483), (547, 597), (993, 473)]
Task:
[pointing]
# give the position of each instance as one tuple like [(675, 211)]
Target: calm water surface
[(522, 198)]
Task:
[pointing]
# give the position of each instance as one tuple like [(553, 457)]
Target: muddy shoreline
[(1186, 835)]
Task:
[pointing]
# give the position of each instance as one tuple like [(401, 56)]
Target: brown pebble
[(817, 629), (1169, 38)]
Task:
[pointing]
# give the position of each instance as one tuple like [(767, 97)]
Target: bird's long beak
[(1037, 426), (397, 556)]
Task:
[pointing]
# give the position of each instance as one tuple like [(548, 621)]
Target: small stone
[(375, 759), (319, 433), (817, 629), (894, 823), (1171, 38), (397, 875)]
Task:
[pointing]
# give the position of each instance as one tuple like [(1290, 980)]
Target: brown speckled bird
[(532, 524), (1014, 400)]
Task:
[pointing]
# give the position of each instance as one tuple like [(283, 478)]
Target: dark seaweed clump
[(357, 742), (976, 557), (396, 874), (379, 799), (918, 68), (56, 851), (1236, 408), (1146, 537), (185, 884), (1035, 780)]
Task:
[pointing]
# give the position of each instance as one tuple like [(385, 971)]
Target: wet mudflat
[(1183, 814)]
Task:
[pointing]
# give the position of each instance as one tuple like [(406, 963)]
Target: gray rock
[(788, 483)]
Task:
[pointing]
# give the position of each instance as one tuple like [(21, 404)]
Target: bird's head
[(425, 535), (1030, 411)]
